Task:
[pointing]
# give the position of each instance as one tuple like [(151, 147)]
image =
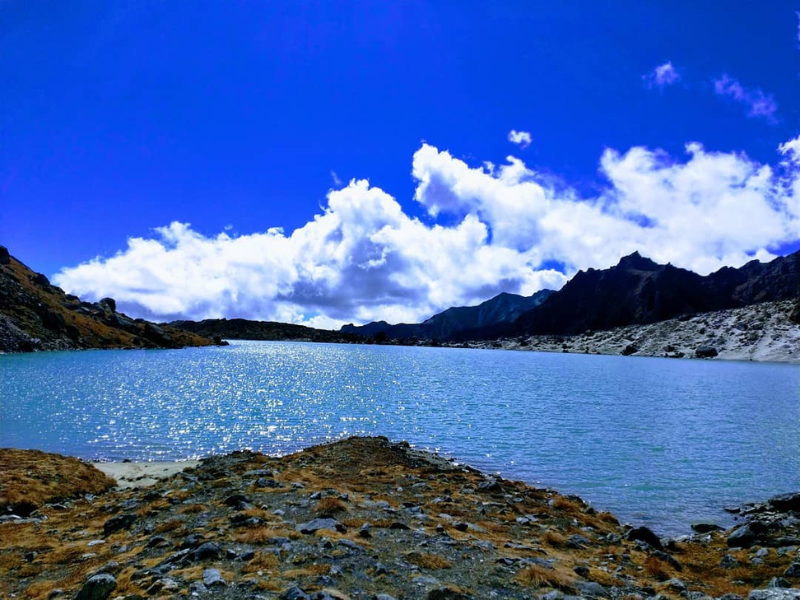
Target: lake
[(662, 442)]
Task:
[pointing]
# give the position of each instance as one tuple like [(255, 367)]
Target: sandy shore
[(142, 474)]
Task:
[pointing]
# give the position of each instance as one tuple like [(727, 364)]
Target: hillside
[(35, 315), (758, 332), (503, 308), (243, 329)]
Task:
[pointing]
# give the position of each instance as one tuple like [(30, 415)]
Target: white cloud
[(363, 258), (521, 138), (662, 76), (759, 104)]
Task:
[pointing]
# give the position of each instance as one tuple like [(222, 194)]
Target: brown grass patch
[(262, 535), (604, 578), (40, 589), (170, 525), (607, 517), (566, 505), (538, 577), (32, 478), (656, 568), (262, 562), (428, 561), (554, 539), (191, 509), (328, 507)]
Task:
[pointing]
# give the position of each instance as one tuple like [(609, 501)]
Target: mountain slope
[(503, 308), (639, 291), (35, 315)]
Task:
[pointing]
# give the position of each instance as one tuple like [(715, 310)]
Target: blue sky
[(239, 117)]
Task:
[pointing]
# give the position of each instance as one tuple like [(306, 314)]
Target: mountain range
[(635, 291), (503, 308)]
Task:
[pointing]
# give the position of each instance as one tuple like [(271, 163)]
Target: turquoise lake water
[(657, 441)]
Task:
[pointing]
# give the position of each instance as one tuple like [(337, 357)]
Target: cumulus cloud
[(662, 76), (521, 138), (364, 258), (759, 104)]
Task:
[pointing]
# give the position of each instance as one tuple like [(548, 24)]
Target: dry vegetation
[(32, 478)]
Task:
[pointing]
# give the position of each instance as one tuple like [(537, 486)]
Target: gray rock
[(743, 537), (705, 352), (591, 589), (644, 534), (778, 582), (207, 551), (197, 588), (446, 593), (793, 570), (118, 523), (786, 502), (703, 527), (676, 585), (728, 562), (98, 587), (213, 578), (383, 597), (775, 594), (578, 541), (317, 524), (294, 593)]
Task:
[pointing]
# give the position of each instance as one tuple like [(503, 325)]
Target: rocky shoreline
[(362, 518), (760, 332)]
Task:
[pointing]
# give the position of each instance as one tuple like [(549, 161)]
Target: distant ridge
[(503, 308)]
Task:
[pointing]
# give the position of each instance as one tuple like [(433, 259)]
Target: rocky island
[(361, 518)]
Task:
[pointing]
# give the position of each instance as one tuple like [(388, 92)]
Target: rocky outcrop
[(36, 315)]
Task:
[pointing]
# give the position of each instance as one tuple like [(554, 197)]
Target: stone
[(294, 593), (197, 588), (591, 589), (317, 524), (728, 562), (209, 550), (98, 587), (676, 585), (743, 537), (581, 570), (109, 303), (446, 593), (630, 349), (578, 542), (785, 502), (118, 523), (213, 578), (793, 570), (775, 594), (778, 582), (644, 534), (703, 527), (705, 352), (5, 257)]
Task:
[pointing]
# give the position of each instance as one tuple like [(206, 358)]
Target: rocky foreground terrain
[(759, 332), (361, 518), (36, 315)]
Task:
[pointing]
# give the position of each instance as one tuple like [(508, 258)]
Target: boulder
[(705, 352), (644, 534), (213, 578), (775, 594), (118, 523), (703, 527), (109, 303), (98, 587), (743, 537), (5, 258), (317, 524), (630, 349), (786, 502)]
